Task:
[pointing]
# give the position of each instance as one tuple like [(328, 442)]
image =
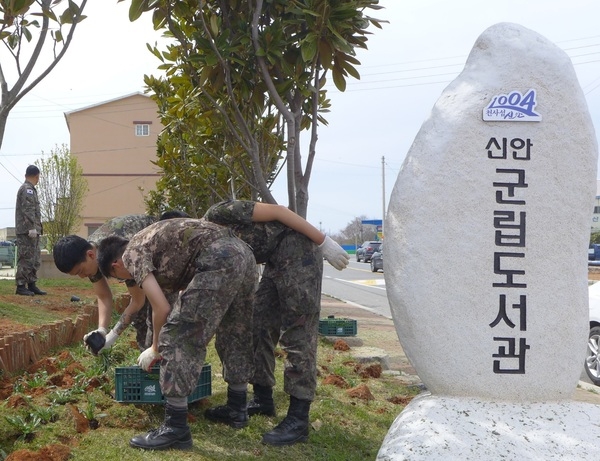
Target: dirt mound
[(48, 453)]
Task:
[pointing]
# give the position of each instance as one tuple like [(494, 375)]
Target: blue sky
[(407, 66)]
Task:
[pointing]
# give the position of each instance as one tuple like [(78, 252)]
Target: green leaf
[(159, 19), (214, 24), (27, 34), (66, 17), (20, 7), (309, 50), (137, 8), (338, 79), (211, 60)]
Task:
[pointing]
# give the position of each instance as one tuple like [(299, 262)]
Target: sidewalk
[(376, 331), (7, 273)]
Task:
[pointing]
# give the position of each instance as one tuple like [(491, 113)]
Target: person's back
[(262, 237), (124, 226), (169, 248)]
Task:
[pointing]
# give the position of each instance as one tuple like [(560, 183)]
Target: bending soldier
[(210, 275)]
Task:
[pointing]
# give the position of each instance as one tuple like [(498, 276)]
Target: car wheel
[(373, 268), (357, 258), (592, 359)]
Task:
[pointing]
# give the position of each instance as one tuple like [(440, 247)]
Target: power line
[(16, 113)]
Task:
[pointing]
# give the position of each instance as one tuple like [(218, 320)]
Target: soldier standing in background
[(28, 223)]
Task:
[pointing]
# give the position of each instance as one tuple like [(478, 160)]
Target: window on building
[(597, 210), (91, 228), (142, 129)]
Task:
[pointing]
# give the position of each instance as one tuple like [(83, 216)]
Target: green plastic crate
[(332, 326), (134, 385)]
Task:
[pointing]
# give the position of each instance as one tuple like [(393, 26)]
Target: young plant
[(46, 414), (25, 426), (90, 410), (62, 396), (80, 385), (90, 413), (37, 380)]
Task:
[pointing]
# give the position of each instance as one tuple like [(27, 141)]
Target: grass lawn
[(46, 410)]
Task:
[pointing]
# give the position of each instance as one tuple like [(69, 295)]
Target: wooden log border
[(19, 350)]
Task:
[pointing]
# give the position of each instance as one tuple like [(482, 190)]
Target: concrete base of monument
[(435, 428)]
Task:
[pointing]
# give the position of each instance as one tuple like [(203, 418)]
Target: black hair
[(69, 251), (173, 214), (32, 170), (109, 250)]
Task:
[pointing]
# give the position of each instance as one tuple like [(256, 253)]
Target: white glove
[(111, 338), (32, 233), (334, 253), (148, 358)]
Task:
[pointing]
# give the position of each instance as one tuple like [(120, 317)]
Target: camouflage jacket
[(27, 210), (169, 248), (262, 237), (124, 226)]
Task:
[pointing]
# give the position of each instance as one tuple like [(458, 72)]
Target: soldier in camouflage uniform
[(76, 256), (287, 305), (212, 275), (28, 227)]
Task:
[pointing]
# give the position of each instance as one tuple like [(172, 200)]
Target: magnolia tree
[(61, 192), (31, 30), (253, 74)]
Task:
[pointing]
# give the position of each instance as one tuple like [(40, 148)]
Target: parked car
[(594, 252), (377, 260), (7, 254), (366, 250), (592, 359)]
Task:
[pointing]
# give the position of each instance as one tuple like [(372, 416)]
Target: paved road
[(357, 284)]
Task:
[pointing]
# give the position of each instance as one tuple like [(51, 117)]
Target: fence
[(19, 350)]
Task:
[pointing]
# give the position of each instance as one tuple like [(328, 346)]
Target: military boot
[(34, 289), (174, 432), (234, 413), (262, 402), (22, 290), (293, 428)]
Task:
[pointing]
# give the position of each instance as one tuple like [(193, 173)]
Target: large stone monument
[(486, 242)]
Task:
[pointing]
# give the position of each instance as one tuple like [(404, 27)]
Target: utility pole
[(383, 196)]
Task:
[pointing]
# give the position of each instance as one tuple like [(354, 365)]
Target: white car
[(592, 359)]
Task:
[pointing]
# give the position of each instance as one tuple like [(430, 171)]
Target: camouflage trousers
[(217, 301), (286, 312), (28, 259)]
